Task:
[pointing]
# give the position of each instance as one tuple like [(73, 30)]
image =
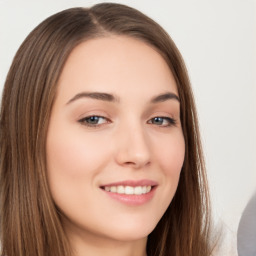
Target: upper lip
[(132, 183)]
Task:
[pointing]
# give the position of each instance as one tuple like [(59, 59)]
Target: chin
[(132, 231)]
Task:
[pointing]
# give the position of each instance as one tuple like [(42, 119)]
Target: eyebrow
[(111, 98), (95, 95), (164, 97)]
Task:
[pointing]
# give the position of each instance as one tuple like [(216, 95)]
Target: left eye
[(162, 121), (93, 120)]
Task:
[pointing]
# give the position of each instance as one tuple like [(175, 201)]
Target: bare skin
[(115, 146)]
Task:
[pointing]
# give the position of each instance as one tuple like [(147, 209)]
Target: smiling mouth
[(131, 192), (128, 190)]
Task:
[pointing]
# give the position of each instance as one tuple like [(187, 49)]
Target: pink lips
[(132, 199)]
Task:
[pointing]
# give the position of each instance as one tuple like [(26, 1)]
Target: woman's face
[(115, 146)]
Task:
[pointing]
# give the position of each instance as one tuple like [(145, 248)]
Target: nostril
[(138, 163)]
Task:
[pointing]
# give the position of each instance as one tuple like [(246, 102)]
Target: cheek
[(171, 154), (73, 153), (73, 160)]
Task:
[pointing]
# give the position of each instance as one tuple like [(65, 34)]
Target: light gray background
[(218, 41)]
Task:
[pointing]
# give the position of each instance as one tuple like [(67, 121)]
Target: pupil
[(93, 119), (158, 120)]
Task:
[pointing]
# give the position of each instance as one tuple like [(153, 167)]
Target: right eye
[(162, 121), (93, 121)]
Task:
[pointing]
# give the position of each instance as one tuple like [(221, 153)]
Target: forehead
[(116, 64)]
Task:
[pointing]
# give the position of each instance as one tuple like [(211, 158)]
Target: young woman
[(100, 148)]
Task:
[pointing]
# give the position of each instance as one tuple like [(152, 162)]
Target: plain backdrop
[(217, 39)]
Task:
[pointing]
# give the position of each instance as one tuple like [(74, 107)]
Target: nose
[(132, 147)]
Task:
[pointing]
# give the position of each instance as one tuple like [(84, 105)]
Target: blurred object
[(246, 236)]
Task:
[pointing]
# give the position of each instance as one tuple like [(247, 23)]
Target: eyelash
[(170, 121), (86, 121)]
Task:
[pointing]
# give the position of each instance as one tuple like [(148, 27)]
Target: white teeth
[(138, 190), (113, 189), (120, 189), (128, 190)]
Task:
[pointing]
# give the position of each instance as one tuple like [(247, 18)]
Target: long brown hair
[(30, 223)]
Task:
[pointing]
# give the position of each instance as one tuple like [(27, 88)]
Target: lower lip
[(132, 200)]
